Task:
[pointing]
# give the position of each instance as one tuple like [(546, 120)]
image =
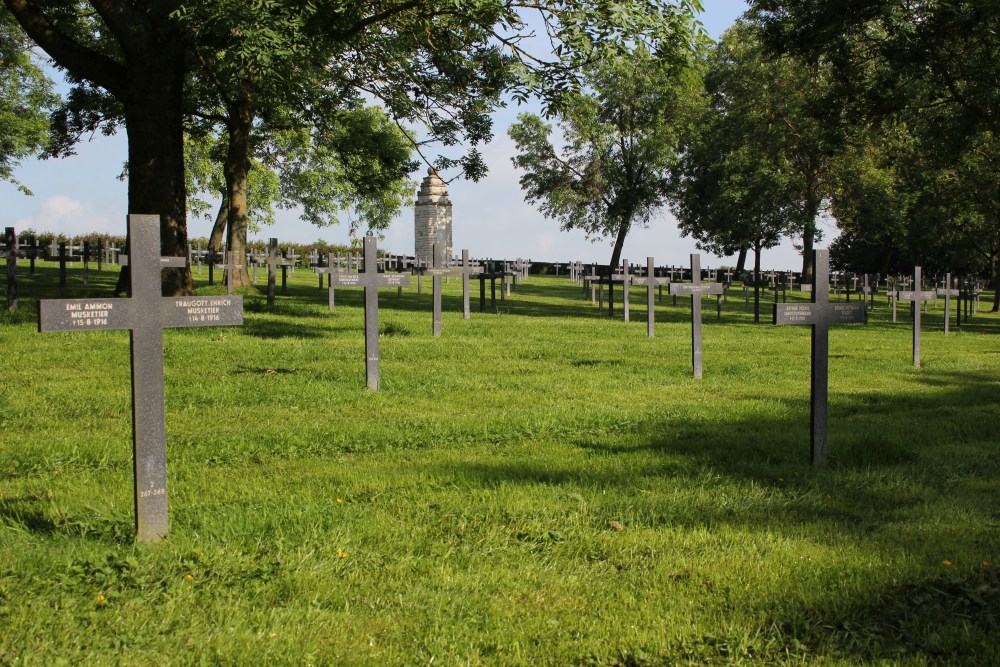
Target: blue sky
[(81, 194)]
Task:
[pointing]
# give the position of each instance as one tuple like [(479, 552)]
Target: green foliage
[(26, 94), (735, 186), (929, 67), (619, 140), (356, 162)]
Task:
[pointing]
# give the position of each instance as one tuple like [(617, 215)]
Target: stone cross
[(625, 290), (371, 280), (230, 267), (145, 314), (594, 279), (696, 288), (916, 297), (947, 292), (63, 258), (273, 262), (332, 266), (32, 254), (489, 272), (436, 270), (466, 271), (651, 281), (11, 252), (820, 313)]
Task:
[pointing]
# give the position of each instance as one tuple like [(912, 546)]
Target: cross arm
[(85, 314), (201, 311)]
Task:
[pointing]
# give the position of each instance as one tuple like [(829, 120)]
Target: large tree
[(929, 64), (136, 52), (776, 99), (441, 62), (727, 196), (619, 139)]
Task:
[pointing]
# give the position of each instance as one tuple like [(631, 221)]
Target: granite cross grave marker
[(916, 297), (145, 314), (696, 288), (947, 292), (651, 281), (371, 280), (273, 262), (820, 313)]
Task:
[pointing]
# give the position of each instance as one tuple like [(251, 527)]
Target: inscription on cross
[(819, 314), (696, 288), (145, 314), (371, 280)]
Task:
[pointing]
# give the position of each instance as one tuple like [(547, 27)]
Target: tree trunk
[(807, 253), (154, 122), (741, 261), (813, 201), (616, 254), (219, 228), (237, 171), (148, 82)]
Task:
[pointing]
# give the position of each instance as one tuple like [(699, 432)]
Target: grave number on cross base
[(145, 314)]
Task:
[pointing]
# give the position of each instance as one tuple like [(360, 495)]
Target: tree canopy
[(619, 138), (438, 62), (26, 94)]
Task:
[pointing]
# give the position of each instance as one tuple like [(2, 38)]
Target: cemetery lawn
[(540, 485)]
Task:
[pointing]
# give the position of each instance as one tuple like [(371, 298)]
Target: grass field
[(540, 485)]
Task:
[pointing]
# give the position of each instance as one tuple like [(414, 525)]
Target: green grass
[(540, 485)]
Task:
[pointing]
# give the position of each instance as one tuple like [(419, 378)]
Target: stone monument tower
[(432, 217)]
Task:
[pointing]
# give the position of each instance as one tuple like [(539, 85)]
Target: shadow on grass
[(272, 329), (26, 512), (893, 461), (953, 618), (887, 459)]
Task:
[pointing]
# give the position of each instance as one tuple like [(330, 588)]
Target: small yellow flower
[(341, 554), (101, 600), (946, 563), (340, 500), (986, 563), (188, 577)]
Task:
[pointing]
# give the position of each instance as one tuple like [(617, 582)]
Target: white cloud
[(61, 214)]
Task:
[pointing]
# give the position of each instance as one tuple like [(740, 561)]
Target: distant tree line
[(881, 119)]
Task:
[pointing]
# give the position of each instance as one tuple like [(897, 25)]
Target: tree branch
[(67, 52)]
